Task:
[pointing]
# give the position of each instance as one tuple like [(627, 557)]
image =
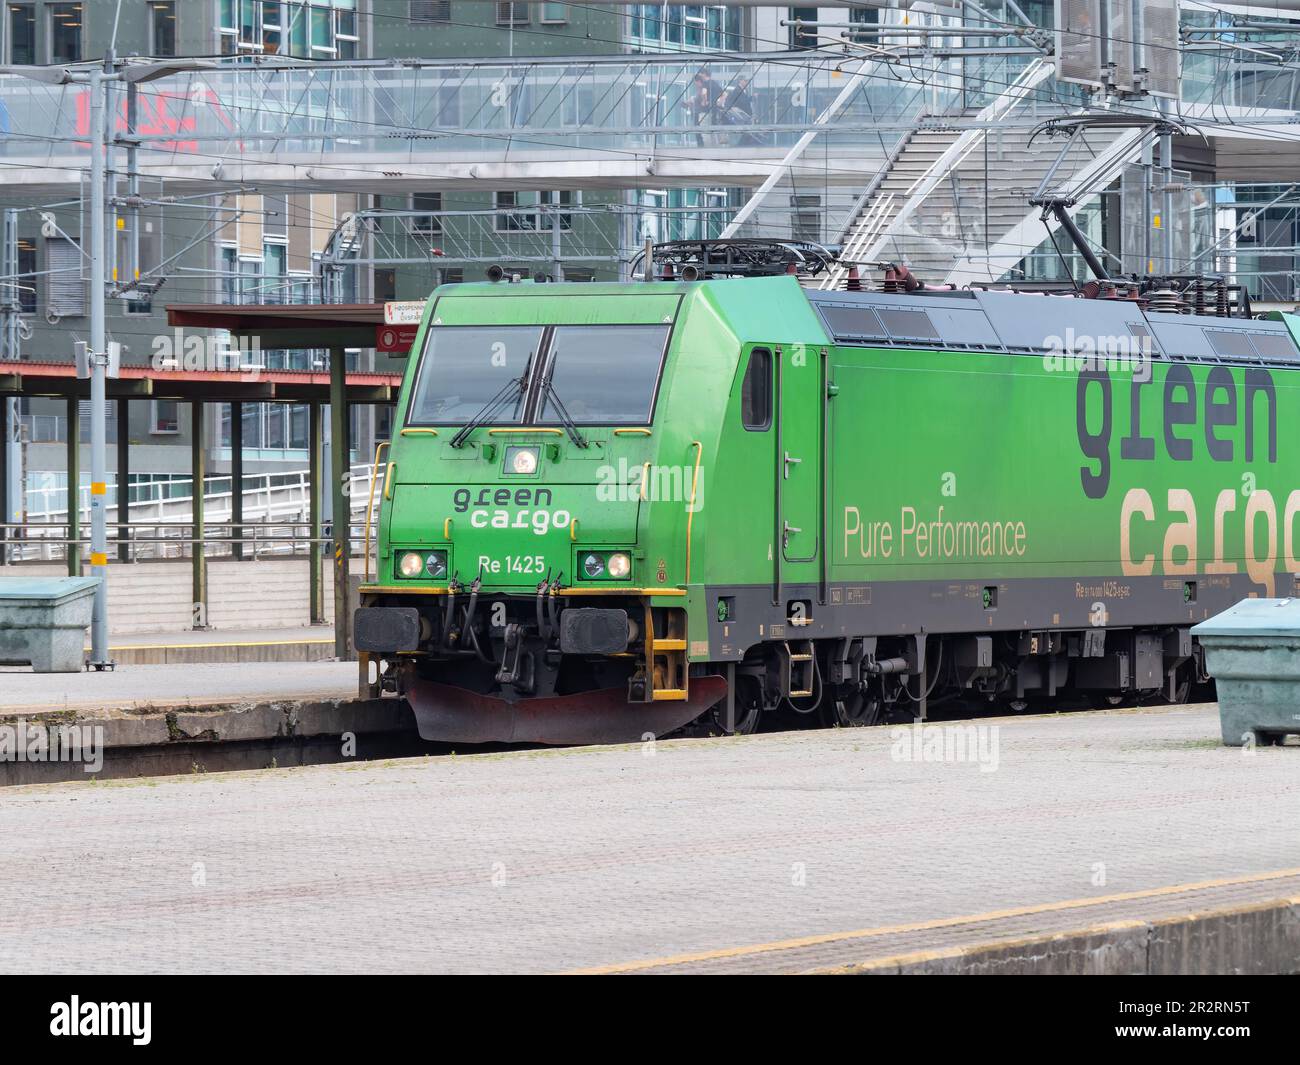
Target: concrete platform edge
[(147, 725), (1253, 938)]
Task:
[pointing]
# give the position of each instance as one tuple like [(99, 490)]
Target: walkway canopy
[(228, 377)]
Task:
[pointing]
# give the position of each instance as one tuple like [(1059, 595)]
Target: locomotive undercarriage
[(878, 680), (552, 669), (545, 668)]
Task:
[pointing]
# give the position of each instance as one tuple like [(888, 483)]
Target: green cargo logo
[(1220, 420), (510, 508)]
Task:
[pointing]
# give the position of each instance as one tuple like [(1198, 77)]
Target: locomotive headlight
[(593, 566), (521, 460), (620, 565), (436, 564), (411, 564)]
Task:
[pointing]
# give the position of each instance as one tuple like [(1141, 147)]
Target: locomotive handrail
[(631, 432), (370, 505), (503, 432), (690, 511), (414, 431)]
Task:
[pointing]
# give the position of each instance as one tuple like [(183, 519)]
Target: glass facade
[(307, 29), (708, 28)]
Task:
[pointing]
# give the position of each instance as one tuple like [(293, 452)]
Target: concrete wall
[(149, 597)]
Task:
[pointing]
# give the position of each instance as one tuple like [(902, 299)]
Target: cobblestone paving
[(554, 860)]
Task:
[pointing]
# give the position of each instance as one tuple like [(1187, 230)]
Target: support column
[(237, 479), (198, 465), (74, 487), (313, 512), (123, 480), (340, 467), (5, 515)]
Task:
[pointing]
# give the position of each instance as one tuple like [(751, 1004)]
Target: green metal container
[(43, 622), (1253, 652)]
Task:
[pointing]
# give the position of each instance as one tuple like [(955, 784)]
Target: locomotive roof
[(1023, 322), (970, 320)]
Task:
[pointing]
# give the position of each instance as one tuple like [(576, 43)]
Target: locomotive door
[(798, 462)]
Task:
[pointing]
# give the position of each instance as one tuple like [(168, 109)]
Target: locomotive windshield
[(605, 374), (600, 374), (464, 367)]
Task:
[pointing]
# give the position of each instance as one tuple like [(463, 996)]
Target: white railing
[(275, 520)]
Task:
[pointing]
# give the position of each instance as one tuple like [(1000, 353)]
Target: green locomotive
[(617, 509)]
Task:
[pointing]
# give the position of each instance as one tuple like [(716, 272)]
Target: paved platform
[(134, 687), (784, 852), (307, 643)]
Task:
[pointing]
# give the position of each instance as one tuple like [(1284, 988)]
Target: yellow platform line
[(924, 926)]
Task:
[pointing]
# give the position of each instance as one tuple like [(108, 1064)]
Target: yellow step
[(667, 695), (669, 645)]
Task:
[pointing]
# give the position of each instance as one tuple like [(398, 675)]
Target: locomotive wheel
[(747, 722), (855, 710), (1183, 688), (749, 710)]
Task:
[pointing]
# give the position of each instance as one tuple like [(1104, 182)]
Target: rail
[(169, 540), (279, 530)]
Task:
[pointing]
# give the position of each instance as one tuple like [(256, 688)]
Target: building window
[(555, 14), (806, 218), (801, 36), (275, 286), (426, 223), (250, 281), (346, 38), (430, 10), (229, 267), (164, 418), (65, 33), (162, 28), (512, 223), (512, 14), (322, 38), (27, 277), (22, 34), (526, 218)]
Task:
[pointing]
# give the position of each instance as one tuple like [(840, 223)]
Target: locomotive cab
[(542, 499)]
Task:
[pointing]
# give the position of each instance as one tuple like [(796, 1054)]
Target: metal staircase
[(954, 203)]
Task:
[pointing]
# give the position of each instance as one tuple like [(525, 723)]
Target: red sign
[(395, 338)]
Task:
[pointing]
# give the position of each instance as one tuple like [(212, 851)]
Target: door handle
[(785, 533), (790, 460)]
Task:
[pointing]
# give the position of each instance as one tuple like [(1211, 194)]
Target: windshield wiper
[(512, 389), (570, 426)]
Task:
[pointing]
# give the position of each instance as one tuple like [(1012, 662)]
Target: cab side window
[(756, 392)]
